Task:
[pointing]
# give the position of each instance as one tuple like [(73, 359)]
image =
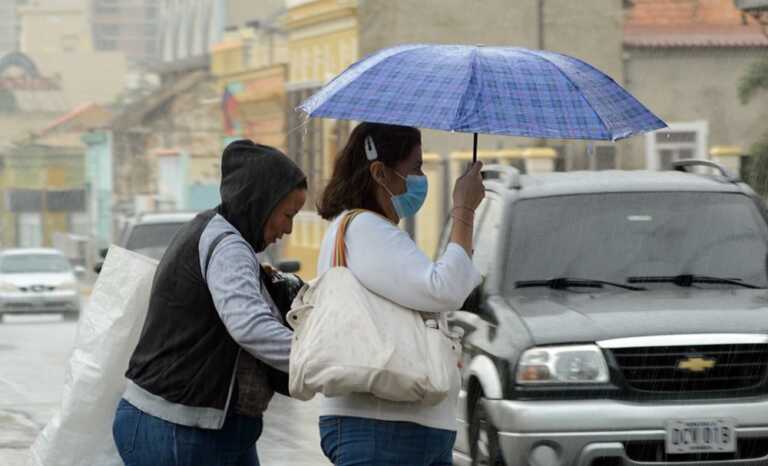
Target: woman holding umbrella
[(379, 170), (489, 90)]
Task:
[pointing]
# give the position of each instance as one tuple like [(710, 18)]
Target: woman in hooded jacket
[(204, 369)]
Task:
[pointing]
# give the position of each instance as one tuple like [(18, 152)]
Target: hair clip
[(370, 149)]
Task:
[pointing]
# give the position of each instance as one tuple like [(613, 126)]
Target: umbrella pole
[(474, 149)]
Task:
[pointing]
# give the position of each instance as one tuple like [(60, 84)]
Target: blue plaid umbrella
[(494, 90)]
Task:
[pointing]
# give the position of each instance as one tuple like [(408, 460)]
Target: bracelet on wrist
[(469, 214), (461, 220), (464, 208)]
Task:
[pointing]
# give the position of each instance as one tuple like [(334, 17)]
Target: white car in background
[(36, 281)]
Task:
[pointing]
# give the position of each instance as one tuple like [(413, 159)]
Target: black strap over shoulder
[(215, 243)]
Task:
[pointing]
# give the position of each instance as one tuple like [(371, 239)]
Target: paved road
[(33, 355)]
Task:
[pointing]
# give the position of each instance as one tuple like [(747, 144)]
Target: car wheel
[(483, 437)]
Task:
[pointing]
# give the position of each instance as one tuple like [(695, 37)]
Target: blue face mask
[(407, 204)]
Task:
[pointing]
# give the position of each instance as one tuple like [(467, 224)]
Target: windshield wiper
[(687, 280), (563, 283)]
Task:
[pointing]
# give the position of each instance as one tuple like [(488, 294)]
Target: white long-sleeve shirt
[(387, 262)]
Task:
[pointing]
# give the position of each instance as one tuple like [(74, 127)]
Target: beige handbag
[(350, 340)]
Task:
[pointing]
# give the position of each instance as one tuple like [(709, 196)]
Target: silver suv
[(623, 320)]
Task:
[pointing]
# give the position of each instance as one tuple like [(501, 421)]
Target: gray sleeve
[(233, 279)]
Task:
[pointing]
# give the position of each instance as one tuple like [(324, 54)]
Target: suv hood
[(553, 316)]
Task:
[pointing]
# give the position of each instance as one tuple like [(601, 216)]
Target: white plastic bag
[(80, 434)]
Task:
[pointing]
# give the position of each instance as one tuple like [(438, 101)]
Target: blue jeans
[(348, 441), (145, 440)]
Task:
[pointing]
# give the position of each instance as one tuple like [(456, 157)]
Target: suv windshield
[(151, 238), (34, 263), (614, 236)]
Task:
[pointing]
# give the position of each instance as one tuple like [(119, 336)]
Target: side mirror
[(289, 266), (473, 301), (97, 267), (79, 272)]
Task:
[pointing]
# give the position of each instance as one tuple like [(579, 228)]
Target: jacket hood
[(254, 179)]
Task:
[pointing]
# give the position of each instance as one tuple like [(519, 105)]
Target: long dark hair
[(351, 186)]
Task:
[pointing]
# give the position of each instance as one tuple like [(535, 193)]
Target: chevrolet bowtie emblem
[(696, 364)]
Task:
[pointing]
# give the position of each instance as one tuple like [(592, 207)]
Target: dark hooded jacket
[(185, 354)]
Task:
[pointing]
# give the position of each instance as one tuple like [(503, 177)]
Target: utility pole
[(540, 43)]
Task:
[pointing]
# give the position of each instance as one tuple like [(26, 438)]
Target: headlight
[(575, 364), (8, 287)]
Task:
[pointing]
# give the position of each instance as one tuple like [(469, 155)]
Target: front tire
[(484, 437)]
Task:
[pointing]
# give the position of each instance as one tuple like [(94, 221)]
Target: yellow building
[(44, 194), (322, 41), (250, 68), (49, 27)]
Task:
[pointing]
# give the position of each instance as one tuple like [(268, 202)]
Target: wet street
[(34, 351)]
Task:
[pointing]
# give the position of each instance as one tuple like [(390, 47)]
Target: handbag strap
[(340, 246)]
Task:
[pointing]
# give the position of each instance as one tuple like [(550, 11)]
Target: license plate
[(701, 436)]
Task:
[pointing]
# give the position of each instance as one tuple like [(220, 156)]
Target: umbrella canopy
[(474, 89)]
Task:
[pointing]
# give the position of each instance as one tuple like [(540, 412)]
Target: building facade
[(57, 36), (129, 26), (190, 28), (44, 194), (166, 145), (9, 27), (684, 60), (322, 42), (251, 68), (29, 100)]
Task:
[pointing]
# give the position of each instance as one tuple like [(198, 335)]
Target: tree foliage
[(754, 81)]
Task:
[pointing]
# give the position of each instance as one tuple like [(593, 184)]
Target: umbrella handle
[(474, 149)]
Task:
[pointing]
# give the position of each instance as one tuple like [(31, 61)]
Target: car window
[(619, 235), (34, 263), (151, 239)]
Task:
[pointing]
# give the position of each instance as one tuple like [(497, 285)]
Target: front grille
[(57, 304), (691, 369), (17, 305), (654, 451), (36, 288)]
